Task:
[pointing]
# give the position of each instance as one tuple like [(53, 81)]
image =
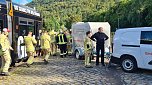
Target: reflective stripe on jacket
[(61, 39), (87, 43)]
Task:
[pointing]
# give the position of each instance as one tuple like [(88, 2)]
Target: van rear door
[(146, 48)]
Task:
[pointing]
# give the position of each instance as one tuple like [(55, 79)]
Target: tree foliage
[(119, 13)]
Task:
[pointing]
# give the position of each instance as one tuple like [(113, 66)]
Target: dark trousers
[(13, 57), (63, 49), (98, 48)]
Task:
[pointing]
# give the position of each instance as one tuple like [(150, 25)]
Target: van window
[(146, 37)]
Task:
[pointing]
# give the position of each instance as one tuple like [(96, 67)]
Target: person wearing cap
[(61, 40), (6, 47), (45, 45), (30, 49)]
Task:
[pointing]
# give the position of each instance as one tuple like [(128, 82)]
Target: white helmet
[(6, 30)]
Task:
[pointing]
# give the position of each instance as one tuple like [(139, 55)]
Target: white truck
[(79, 30)]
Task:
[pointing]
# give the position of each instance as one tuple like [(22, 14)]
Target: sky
[(21, 1)]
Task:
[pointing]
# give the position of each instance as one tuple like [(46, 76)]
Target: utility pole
[(118, 20)]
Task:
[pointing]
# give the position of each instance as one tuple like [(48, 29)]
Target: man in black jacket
[(100, 38)]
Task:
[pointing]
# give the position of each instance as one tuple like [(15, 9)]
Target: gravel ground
[(70, 71)]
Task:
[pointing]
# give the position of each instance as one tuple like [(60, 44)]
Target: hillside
[(119, 13)]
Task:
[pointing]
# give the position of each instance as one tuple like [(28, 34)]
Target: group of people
[(99, 38), (45, 48), (46, 43)]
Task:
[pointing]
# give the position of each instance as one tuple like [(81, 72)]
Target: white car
[(132, 48)]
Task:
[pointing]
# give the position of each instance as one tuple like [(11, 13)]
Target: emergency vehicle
[(23, 19), (79, 30), (132, 48)]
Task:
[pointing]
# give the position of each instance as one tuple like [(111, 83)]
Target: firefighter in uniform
[(45, 45), (69, 43), (53, 43), (30, 42), (88, 46), (61, 40), (6, 47)]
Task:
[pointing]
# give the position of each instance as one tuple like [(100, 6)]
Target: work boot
[(97, 64), (64, 55), (13, 66), (5, 74), (45, 61), (103, 64), (61, 56), (28, 65), (54, 54), (88, 66)]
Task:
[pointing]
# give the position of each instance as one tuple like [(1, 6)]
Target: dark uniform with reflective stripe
[(61, 40)]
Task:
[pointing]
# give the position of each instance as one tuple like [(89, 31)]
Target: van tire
[(128, 64), (77, 55)]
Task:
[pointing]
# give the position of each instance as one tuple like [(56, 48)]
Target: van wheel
[(128, 64), (77, 55)]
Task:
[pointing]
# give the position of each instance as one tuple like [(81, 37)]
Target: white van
[(79, 30), (132, 48)]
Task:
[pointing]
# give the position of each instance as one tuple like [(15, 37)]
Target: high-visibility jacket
[(4, 41), (69, 38), (61, 39), (52, 36), (29, 43), (87, 44), (45, 41)]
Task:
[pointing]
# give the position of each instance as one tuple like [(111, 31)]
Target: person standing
[(100, 38), (6, 47), (61, 40), (88, 46), (53, 46), (69, 43), (45, 45), (39, 50), (30, 42)]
